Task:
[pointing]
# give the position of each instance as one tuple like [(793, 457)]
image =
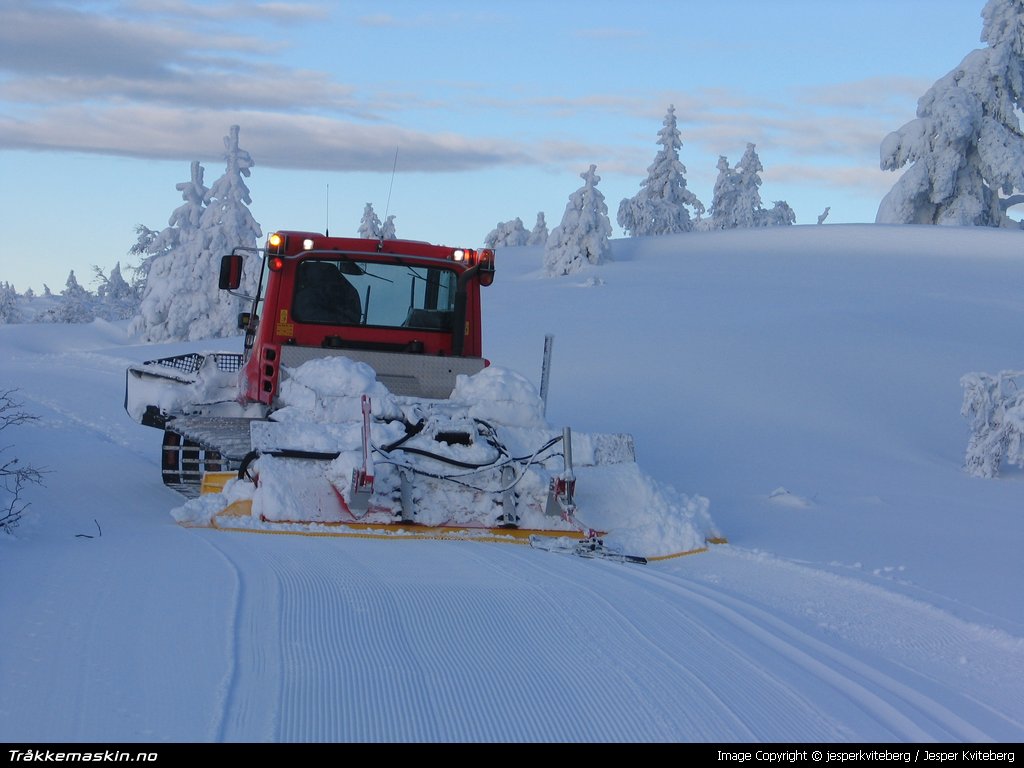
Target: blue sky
[(493, 109)]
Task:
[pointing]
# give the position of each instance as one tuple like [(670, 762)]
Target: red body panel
[(274, 324)]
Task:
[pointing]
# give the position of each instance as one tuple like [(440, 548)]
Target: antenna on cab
[(387, 207)]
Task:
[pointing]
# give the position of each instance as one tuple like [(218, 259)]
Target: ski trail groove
[(895, 705), (697, 665), (249, 673), (335, 641)]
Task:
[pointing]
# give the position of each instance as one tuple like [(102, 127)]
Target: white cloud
[(275, 140), (226, 11)]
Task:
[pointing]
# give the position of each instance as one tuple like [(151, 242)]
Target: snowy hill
[(805, 380)]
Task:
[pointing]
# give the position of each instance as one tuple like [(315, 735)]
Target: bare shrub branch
[(14, 476)]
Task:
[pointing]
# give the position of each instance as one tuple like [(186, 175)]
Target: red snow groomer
[(362, 402)]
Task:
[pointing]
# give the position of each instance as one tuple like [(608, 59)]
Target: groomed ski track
[(369, 641)]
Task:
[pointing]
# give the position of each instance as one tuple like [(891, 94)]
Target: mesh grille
[(192, 362)]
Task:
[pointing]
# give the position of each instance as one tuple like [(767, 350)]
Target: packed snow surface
[(804, 381)]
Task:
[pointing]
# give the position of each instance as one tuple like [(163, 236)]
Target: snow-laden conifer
[(965, 148), (748, 188), (226, 224), (661, 205), (369, 225), (737, 196), (76, 303), (169, 264), (181, 300), (9, 311), (539, 233), (724, 198), (507, 234), (115, 298), (582, 239)]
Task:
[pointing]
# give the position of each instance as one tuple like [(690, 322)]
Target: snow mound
[(330, 389), (500, 395), (642, 516), (783, 498)]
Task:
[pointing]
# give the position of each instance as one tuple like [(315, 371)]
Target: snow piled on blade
[(455, 462), (642, 516), (330, 389), (500, 395)]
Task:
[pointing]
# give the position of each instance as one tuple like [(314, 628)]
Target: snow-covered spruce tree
[(9, 312), (539, 233), (994, 406), (723, 199), (507, 234), (226, 224), (737, 196), (76, 305), (182, 300), (369, 225), (660, 207), (14, 476), (748, 188), (142, 251), (583, 236), (116, 299), (965, 147), (168, 265), (387, 229)]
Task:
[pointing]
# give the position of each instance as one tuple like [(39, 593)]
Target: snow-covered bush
[(780, 214), (507, 234), (583, 237), (994, 405)]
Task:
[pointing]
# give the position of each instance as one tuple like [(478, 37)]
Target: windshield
[(344, 292)]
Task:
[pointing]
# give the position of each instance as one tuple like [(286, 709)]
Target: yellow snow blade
[(242, 509), (214, 482), (228, 519)]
